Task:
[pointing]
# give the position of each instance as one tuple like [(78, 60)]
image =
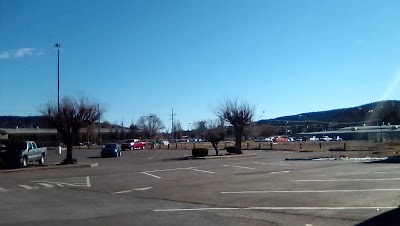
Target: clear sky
[(138, 57)]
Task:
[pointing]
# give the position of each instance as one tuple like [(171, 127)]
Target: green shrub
[(231, 149), (199, 152)]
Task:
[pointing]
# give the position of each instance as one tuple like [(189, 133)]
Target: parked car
[(111, 149), (314, 138), (20, 153), (299, 139), (280, 139), (326, 138), (337, 138), (133, 144)]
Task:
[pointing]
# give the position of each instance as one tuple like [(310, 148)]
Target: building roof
[(50, 131)]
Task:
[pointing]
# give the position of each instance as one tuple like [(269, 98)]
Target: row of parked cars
[(115, 149), (282, 139)]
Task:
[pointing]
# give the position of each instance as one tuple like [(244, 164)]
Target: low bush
[(199, 152), (231, 149)]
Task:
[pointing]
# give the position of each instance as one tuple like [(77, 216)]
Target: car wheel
[(102, 156), (24, 161), (41, 160)]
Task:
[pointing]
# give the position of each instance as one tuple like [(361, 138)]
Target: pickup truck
[(133, 144), (20, 153)]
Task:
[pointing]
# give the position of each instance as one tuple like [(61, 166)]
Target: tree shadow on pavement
[(390, 159), (94, 157), (389, 218)]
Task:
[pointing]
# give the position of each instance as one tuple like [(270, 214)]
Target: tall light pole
[(151, 125), (58, 46), (189, 126)]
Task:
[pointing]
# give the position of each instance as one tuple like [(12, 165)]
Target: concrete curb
[(52, 166), (221, 156)]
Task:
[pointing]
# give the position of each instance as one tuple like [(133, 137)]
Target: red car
[(133, 144)]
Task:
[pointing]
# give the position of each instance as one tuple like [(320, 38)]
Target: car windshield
[(110, 146)]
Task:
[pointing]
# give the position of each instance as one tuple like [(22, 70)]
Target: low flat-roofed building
[(374, 133)]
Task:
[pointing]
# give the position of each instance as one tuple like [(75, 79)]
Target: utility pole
[(172, 125)]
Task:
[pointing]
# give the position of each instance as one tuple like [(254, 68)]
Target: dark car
[(111, 150)]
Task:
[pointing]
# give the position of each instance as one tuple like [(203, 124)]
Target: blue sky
[(139, 57)]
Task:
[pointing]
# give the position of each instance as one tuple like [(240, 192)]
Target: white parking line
[(204, 171), (243, 167), (27, 187), (121, 192), (280, 208), (142, 189), (3, 189), (136, 189), (162, 170), (310, 191), (337, 180), (149, 174), (88, 182), (272, 163), (155, 155), (285, 171), (47, 185)]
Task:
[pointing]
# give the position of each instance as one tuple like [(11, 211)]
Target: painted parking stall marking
[(311, 191), (339, 180), (27, 187), (285, 171), (47, 185), (151, 172), (376, 208), (136, 189), (3, 189)]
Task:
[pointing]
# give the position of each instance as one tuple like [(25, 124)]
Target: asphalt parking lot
[(158, 187)]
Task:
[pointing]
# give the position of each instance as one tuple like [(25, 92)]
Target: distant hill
[(35, 121), (23, 122), (387, 111)]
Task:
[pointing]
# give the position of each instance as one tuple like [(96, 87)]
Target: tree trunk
[(69, 141), (215, 146), (238, 143), (69, 159)]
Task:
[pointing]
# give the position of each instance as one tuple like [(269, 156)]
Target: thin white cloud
[(20, 53), (4, 55)]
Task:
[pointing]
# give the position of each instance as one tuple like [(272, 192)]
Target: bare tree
[(73, 115), (150, 125), (239, 115), (177, 130), (214, 133), (199, 128)]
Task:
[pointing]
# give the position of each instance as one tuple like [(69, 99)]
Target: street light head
[(58, 45)]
